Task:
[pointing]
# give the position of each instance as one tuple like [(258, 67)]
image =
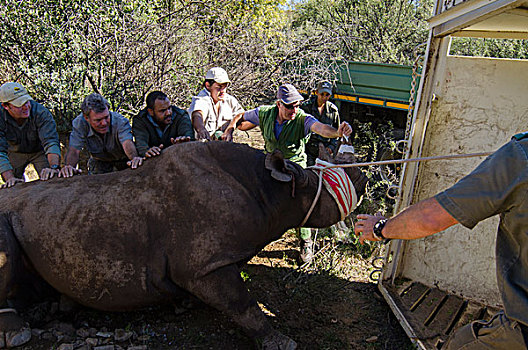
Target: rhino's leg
[(12, 328), (225, 290)]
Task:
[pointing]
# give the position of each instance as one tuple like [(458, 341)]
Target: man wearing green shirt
[(498, 186), (326, 112), (287, 128)]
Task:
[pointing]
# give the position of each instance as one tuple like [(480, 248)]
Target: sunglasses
[(291, 105)]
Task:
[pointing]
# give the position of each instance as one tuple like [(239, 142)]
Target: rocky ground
[(331, 304)]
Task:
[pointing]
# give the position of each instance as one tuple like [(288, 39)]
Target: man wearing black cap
[(326, 112), (28, 134), (287, 128)]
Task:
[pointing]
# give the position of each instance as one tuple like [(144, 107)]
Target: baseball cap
[(288, 94), (14, 93), (324, 86), (217, 74)]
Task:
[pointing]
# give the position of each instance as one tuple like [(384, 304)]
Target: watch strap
[(378, 227)]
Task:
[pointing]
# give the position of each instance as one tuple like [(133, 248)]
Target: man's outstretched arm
[(419, 220)]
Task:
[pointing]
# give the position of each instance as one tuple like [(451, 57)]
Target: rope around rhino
[(383, 162)]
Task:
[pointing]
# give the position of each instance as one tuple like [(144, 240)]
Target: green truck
[(373, 92), (375, 98)]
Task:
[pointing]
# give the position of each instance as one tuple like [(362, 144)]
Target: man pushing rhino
[(106, 135), (287, 128)]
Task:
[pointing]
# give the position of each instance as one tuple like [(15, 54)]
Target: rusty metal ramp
[(429, 315)]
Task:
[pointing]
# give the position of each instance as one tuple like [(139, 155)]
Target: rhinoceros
[(182, 221)]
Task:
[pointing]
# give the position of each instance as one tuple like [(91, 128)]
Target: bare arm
[(420, 220), (198, 125), (245, 125), (330, 132), (70, 162), (130, 150), (228, 132)]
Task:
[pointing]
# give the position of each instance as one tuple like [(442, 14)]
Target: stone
[(145, 337), (83, 347), (17, 338), (83, 332), (372, 339), (37, 332), (105, 334), (104, 347), (120, 335), (92, 341), (47, 336), (65, 346)]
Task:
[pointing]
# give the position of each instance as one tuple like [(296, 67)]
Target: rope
[(7, 310), (410, 160), (383, 162), (319, 187)]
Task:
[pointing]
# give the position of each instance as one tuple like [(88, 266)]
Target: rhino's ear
[(323, 153), (276, 163)]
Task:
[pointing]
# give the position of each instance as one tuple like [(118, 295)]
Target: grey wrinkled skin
[(182, 221)]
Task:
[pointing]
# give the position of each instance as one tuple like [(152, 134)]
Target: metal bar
[(406, 289), (401, 318), (420, 299), (457, 316), (434, 312)]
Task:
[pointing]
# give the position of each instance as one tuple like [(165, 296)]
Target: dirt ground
[(331, 304)]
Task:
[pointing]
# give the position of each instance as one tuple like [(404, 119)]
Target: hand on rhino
[(69, 171), (11, 182), (135, 162)]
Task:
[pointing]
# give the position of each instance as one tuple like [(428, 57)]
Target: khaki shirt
[(499, 186), (107, 147), (229, 108)]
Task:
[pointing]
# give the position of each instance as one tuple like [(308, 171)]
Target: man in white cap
[(214, 113), (287, 128), (28, 134), (326, 112)]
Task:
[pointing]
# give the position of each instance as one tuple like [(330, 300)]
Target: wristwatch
[(378, 227), (54, 166)]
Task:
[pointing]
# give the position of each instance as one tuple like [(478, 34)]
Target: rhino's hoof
[(278, 341), (16, 338)]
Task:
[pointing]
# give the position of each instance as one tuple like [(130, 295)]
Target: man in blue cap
[(287, 128)]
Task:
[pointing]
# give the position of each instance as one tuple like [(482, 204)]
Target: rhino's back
[(107, 240)]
